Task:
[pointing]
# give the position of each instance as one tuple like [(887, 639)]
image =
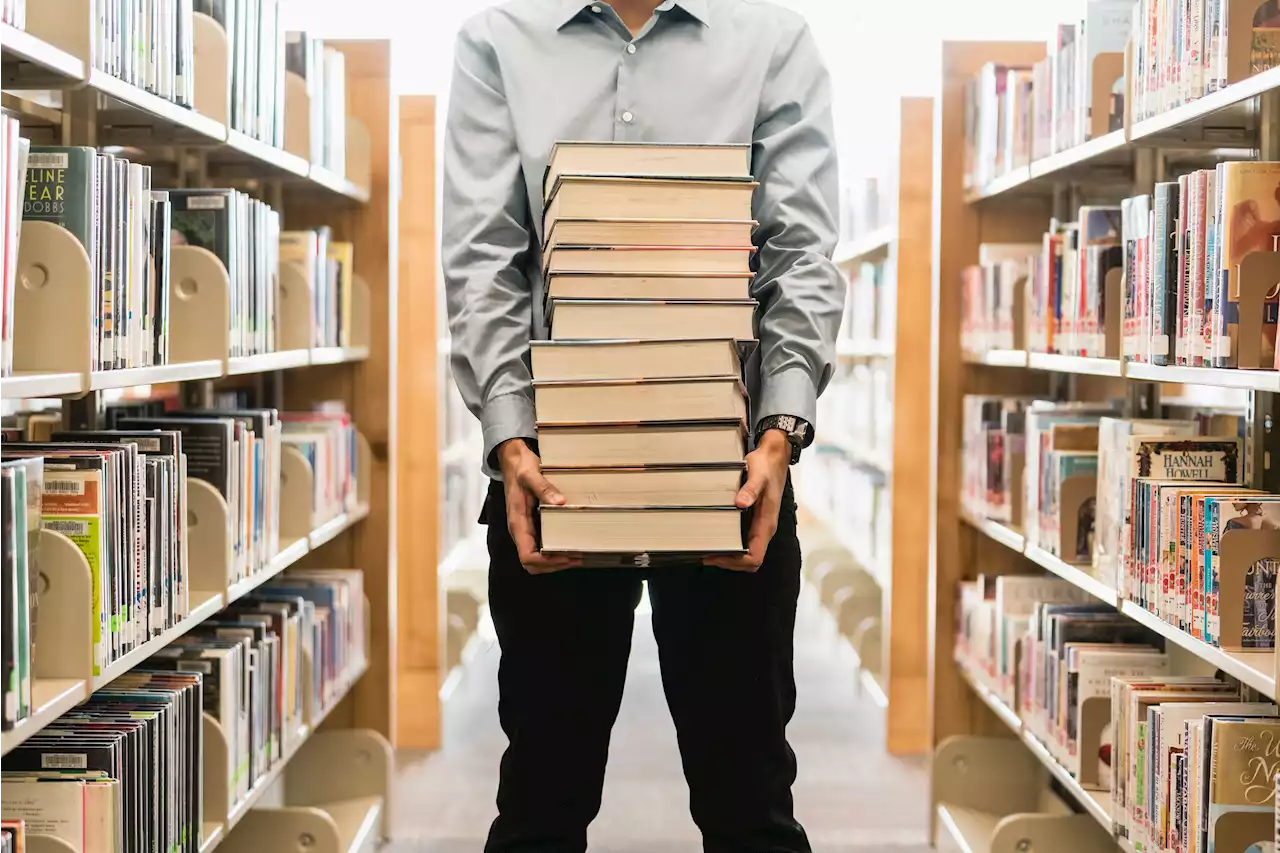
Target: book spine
[(1160, 330), (1210, 246)]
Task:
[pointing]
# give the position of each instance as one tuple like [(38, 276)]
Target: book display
[(861, 479), (1106, 540), (639, 369), (196, 320)]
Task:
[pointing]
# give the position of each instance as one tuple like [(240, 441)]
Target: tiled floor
[(851, 796)]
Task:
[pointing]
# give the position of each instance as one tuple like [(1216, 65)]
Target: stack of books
[(641, 408)]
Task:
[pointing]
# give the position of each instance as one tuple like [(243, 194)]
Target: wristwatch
[(799, 432)]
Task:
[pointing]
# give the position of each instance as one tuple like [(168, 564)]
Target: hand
[(525, 487), (766, 478)]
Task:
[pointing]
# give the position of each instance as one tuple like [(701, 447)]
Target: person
[(527, 74)]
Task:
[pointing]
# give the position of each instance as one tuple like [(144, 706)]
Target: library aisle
[(851, 796)]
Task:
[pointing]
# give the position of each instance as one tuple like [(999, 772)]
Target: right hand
[(525, 487)]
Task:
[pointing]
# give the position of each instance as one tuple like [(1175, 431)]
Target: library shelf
[(129, 377), (1181, 122), (1010, 180), (1106, 148), (863, 349), (284, 360), (869, 245), (1256, 669), (210, 836), (266, 154), (50, 699), (202, 606), (462, 553), (873, 688), (334, 526), (23, 48), (1078, 575), (338, 355), (998, 358), (1252, 380), (155, 109), (337, 183), (1097, 804), (1075, 364), (28, 386), (1002, 533), (970, 830), (286, 557)]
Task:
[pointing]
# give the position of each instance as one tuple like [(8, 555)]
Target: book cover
[(1241, 792), (1251, 223)]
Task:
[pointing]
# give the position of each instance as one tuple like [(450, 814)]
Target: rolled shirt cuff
[(788, 392), (503, 418)]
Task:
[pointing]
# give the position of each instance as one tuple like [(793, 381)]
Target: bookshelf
[(50, 84), (892, 644), (975, 728)]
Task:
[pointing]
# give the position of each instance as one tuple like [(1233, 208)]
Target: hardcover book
[(686, 260), (1240, 817), (648, 487), (649, 232), (630, 530), (704, 287), (640, 401), (667, 160), (721, 442), (565, 360), (586, 319), (575, 197), (1251, 223)]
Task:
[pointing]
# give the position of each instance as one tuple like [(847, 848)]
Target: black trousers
[(725, 643)]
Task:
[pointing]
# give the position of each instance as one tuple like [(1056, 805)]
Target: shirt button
[(631, 48), (627, 116), (595, 9)]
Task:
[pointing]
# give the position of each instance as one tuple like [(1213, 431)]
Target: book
[(1251, 223), (671, 160), (1240, 813), (649, 232), (579, 197), (623, 445), (588, 319), (640, 401), (658, 359), (696, 287), (685, 260), (623, 530), (643, 487)]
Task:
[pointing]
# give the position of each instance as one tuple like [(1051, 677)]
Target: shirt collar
[(696, 9)]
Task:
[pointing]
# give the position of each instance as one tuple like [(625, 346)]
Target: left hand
[(766, 478)]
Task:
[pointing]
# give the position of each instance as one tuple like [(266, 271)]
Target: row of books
[(1182, 50), (871, 309), (852, 499), (256, 57), (149, 44), (14, 13), (328, 266), (1187, 759), (866, 204), (858, 407), (614, 360), (323, 69), (12, 184), (21, 499), (261, 670)]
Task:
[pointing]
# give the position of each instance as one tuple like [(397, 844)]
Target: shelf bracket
[(1142, 400)]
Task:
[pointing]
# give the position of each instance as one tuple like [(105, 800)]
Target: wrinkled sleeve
[(801, 293), (486, 238)]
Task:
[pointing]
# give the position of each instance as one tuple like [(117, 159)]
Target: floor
[(850, 796)]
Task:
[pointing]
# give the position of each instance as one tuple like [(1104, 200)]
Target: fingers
[(764, 523), (540, 487), (756, 484), (733, 564), (520, 525)]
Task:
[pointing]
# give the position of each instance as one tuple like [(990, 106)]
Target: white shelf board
[(338, 355), (242, 364), (1192, 113), (873, 688), (1096, 803), (202, 606), (337, 183), (1078, 155), (1077, 575), (1010, 180), (25, 47), (1254, 380), (25, 386), (128, 377), (869, 245), (971, 831), (1256, 669), (1075, 364), (50, 699), (1002, 533), (212, 836), (334, 526), (289, 554), (164, 111), (268, 154), (998, 358), (863, 349)]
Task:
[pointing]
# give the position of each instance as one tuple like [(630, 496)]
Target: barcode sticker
[(206, 202), (66, 526), (48, 160), (148, 445), (64, 487), (64, 761)]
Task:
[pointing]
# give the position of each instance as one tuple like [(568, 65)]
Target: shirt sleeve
[(486, 238), (801, 293)]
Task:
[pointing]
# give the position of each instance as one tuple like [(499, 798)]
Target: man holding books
[(530, 73)]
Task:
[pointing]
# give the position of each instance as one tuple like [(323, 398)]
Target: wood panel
[(421, 665), (907, 656), (958, 228)]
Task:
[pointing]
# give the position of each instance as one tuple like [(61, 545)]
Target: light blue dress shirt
[(531, 72)]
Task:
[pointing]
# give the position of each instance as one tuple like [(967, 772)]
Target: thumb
[(751, 490), (541, 488)]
